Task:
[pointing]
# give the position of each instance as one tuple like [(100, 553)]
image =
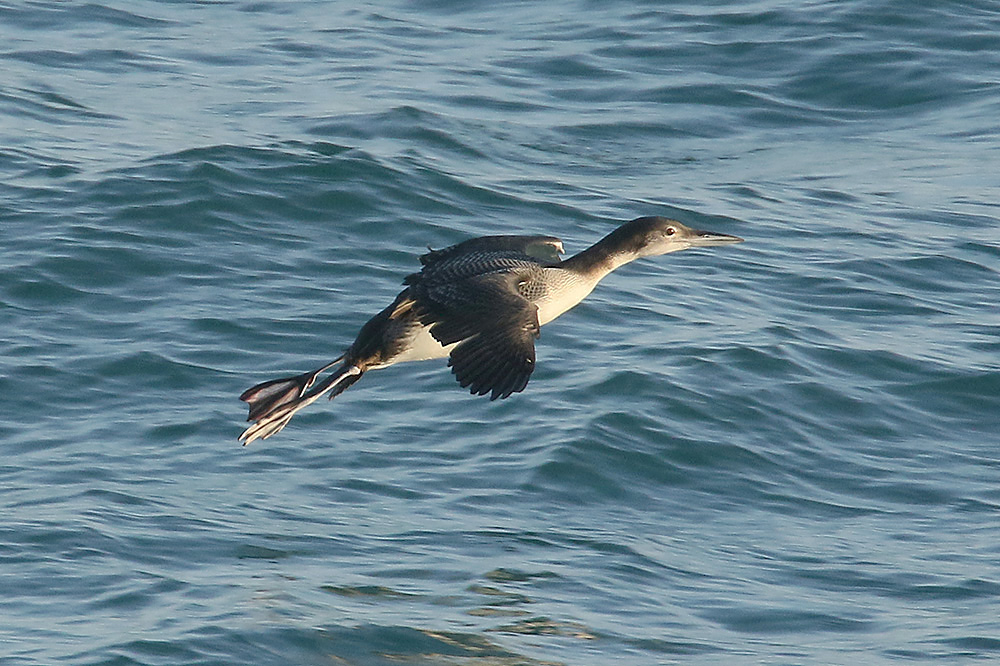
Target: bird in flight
[(480, 303)]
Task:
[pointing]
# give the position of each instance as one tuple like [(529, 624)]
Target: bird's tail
[(275, 402)]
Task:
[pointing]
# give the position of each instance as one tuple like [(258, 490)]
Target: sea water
[(782, 452)]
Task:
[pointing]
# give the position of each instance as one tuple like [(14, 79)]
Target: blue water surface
[(783, 452)]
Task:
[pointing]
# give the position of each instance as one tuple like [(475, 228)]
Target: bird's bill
[(710, 238)]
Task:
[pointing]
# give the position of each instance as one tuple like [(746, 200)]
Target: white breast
[(564, 291)]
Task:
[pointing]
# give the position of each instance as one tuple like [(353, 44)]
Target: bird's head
[(653, 236)]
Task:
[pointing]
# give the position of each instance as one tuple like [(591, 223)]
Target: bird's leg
[(266, 397), (278, 415)]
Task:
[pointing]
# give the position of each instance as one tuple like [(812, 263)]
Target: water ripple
[(782, 451)]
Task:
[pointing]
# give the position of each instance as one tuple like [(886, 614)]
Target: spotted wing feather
[(473, 300), (496, 330)]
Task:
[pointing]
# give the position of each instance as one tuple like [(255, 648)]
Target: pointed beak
[(711, 238)]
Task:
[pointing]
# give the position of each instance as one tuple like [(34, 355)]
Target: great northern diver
[(481, 304)]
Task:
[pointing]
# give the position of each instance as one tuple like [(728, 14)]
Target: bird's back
[(457, 268)]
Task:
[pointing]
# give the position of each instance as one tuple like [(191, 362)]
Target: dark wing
[(542, 248), (494, 325)]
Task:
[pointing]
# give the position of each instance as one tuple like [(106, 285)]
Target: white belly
[(421, 348)]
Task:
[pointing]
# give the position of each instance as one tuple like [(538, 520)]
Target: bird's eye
[(670, 231)]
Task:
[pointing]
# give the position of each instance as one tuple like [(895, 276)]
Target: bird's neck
[(601, 258)]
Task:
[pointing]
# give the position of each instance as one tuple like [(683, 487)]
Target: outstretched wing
[(542, 248), (495, 328)]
